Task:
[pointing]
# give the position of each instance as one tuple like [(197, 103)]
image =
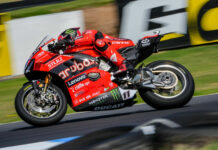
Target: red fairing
[(46, 61), (84, 90), (87, 89)]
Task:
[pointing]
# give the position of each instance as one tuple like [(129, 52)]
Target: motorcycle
[(86, 81)]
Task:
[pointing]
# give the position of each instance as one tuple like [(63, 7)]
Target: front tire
[(160, 100), (40, 115)]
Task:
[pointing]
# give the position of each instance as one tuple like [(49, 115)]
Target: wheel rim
[(46, 106), (178, 89)]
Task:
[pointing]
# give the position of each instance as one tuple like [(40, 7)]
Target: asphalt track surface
[(83, 123)]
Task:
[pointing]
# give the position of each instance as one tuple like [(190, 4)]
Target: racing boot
[(124, 69)]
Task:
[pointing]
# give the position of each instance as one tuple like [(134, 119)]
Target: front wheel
[(42, 109), (177, 85)]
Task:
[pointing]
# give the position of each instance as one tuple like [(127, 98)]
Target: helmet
[(70, 33)]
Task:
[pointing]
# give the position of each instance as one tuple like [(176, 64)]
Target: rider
[(73, 37)]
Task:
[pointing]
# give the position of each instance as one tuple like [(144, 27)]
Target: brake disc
[(165, 79), (38, 108)]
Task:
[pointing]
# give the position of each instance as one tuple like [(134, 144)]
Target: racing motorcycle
[(86, 81)]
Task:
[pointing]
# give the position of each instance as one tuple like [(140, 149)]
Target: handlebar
[(56, 47), (60, 45)]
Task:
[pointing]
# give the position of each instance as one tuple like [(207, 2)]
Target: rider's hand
[(50, 47), (61, 45), (68, 42), (56, 47)]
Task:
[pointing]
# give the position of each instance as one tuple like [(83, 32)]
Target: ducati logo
[(113, 58)]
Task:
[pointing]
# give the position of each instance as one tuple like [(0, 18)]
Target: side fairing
[(78, 64), (83, 89), (111, 99), (108, 99), (82, 77)]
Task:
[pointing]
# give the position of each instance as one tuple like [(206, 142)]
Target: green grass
[(209, 145), (201, 62), (58, 7), (8, 90)]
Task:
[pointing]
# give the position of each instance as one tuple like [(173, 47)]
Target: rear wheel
[(42, 109), (178, 86)]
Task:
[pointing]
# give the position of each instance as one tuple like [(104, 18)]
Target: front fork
[(36, 84), (47, 81)]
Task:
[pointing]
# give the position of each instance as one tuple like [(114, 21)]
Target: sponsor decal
[(77, 80), (85, 98), (55, 62), (96, 94), (41, 53), (79, 93), (116, 94), (106, 89), (81, 66), (145, 42), (64, 74), (99, 99), (76, 67), (107, 107), (113, 58), (80, 85), (120, 42)]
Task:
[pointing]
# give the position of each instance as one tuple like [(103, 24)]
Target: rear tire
[(166, 102), (25, 113)]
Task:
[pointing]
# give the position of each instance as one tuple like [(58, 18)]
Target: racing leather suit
[(102, 43)]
